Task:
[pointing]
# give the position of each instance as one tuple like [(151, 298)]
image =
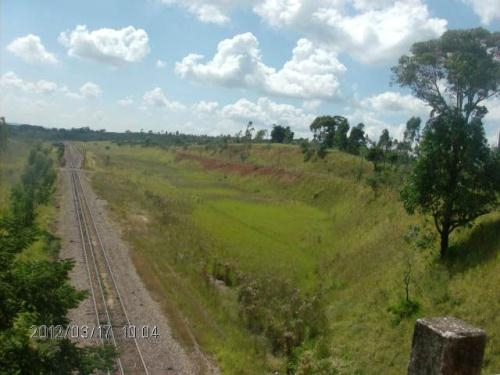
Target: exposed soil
[(163, 354), (243, 169)]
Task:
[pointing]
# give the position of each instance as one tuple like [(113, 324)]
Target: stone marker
[(446, 346)]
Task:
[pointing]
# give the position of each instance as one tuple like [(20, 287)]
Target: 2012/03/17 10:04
[(72, 331)]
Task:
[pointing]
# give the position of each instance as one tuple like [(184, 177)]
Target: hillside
[(204, 224)]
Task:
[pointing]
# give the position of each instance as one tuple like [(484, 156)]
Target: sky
[(210, 67)]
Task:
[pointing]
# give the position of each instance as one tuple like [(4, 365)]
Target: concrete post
[(446, 346)]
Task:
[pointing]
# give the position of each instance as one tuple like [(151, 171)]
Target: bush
[(281, 313), (403, 310)]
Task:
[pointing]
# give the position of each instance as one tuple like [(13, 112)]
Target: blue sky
[(211, 66)]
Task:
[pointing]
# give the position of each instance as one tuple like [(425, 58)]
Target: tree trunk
[(445, 233)]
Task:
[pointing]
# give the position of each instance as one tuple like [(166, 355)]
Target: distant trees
[(324, 129), (357, 139), (260, 135), (281, 134), (333, 132), (412, 134), (3, 134), (455, 179)]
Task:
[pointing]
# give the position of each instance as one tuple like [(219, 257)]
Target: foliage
[(281, 134), (37, 292), (355, 253), (3, 135), (457, 71), (453, 179), (356, 139), (405, 308), (276, 309)]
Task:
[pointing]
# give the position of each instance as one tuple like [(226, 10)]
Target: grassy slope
[(312, 223), (12, 163)]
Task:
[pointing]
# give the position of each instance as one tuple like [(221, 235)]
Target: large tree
[(453, 179), (458, 71)]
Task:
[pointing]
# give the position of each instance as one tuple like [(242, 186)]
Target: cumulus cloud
[(311, 73), (30, 49), (391, 101), (266, 112), (487, 10), (90, 90), (368, 31), (205, 106), (125, 102), (156, 99), (110, 46), (160, 64), (11, 80), (213, 11)]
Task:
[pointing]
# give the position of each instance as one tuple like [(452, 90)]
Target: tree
[(3, 134), (356, 139), (458, 70), (411, 135), (281, 134), (341, 140), (385, 140), (454, 179), (260, 135), (323, 128)]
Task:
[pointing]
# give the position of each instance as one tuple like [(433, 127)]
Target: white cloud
[(11, 80), (160, 64), (267, 112), (30, 49), (487, 10), (156, 99), (492, 120), (110, 46), (391, 101), (90, 90), (372, 32), (205, 106), (213, 11), (125, 102), (311, 73), (368, 30), (311, 105)]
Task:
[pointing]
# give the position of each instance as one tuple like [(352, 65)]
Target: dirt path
[(162, 354)]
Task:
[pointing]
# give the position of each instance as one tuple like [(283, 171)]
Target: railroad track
[(113, 326)]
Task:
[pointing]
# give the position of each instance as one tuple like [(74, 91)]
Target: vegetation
[(253, 224), (281, 134), (35, 289), (301, 259), (455, 179)]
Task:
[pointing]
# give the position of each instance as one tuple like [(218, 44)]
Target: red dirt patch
[(240, 168)]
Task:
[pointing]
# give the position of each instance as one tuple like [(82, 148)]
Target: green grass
[(12, 161), (315, 224)]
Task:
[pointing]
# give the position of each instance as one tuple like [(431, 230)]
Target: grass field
[(317, 225)]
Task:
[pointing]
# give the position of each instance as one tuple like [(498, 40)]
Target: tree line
[(36, 292)]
